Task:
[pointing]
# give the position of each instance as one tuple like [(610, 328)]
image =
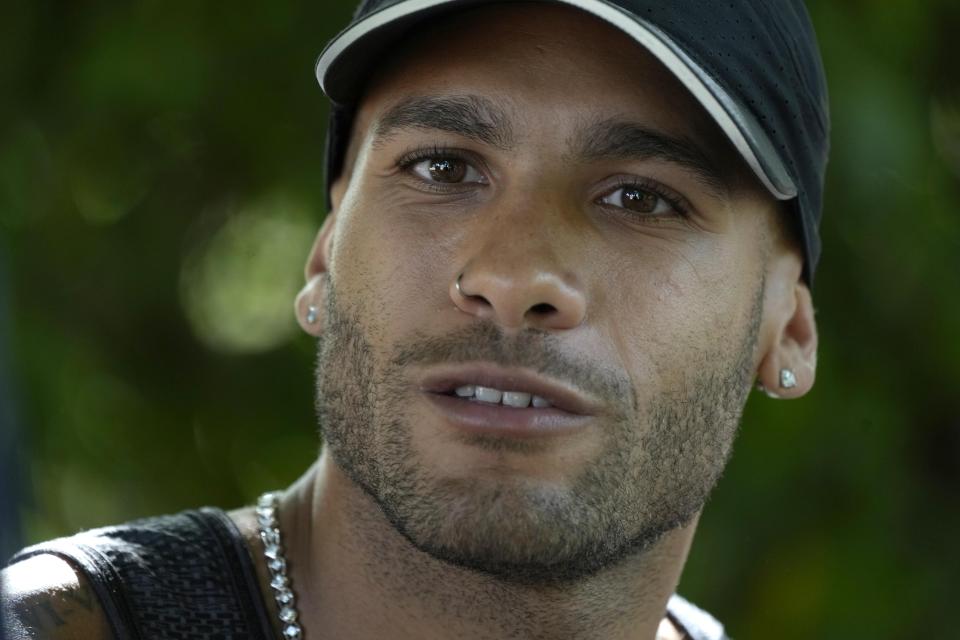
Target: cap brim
[(354, 51)]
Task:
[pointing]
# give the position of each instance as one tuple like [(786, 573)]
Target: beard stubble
[(656, 470)]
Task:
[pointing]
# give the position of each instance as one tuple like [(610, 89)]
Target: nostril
[(543, 308)]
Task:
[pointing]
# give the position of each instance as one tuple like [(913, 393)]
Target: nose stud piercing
[(457, 285), (787, 379), (311, 314)]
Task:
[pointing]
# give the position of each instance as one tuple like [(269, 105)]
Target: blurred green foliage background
[(160, 184)]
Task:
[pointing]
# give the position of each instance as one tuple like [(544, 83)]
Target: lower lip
[(499, 420)]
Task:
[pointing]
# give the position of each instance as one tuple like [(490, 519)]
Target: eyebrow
[(620, 139), (470, 116), (479, 118)]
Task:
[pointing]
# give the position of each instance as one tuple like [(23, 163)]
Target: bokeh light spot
[(237, 289)]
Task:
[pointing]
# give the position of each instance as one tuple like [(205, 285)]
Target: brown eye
[(639, 200), (442, 170), (447, 170)]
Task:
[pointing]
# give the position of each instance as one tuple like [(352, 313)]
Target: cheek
[(392, 264), (667, 318)]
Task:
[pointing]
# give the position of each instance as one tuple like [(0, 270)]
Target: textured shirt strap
[(188, 576)]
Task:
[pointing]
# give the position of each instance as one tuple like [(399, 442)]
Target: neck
[(356, 577)]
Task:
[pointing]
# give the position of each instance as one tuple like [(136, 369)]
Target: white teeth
[(541, 402), (486, 394), (516, 399)]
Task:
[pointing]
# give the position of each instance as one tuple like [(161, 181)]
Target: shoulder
[(44, 597)]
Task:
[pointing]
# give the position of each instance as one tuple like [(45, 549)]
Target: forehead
[(541, 64)]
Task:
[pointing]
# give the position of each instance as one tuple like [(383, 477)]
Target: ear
[(790, 337), (310, 302)]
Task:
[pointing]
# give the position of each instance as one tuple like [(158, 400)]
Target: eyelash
[(418, 154), (411, 157)]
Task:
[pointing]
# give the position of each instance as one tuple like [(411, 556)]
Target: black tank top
[(190, 576)]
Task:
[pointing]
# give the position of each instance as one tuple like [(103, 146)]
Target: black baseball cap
[(754, 66)]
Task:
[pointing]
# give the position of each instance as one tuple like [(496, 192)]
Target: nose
[(520, 283)]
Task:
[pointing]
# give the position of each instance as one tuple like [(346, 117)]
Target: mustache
[(533, 349)]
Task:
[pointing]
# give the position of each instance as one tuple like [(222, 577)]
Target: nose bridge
[(519, 268), (520, 239)]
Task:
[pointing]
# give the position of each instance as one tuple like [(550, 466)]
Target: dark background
[(160, 184)]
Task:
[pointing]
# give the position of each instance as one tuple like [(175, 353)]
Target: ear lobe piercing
[(787, 379), (311, 314)]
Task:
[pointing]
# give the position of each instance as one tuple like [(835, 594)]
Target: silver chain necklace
[(267, 507)]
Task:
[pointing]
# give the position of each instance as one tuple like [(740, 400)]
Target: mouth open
[(493, 396), (513, 403)]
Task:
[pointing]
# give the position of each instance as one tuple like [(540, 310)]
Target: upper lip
[(446, 378)]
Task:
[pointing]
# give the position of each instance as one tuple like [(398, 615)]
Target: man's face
[(613, 259)]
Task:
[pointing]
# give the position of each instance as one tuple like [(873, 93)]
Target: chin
[(515, 529)]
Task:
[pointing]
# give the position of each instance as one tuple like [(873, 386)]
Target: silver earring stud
[(787, 379), (311, 314)]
